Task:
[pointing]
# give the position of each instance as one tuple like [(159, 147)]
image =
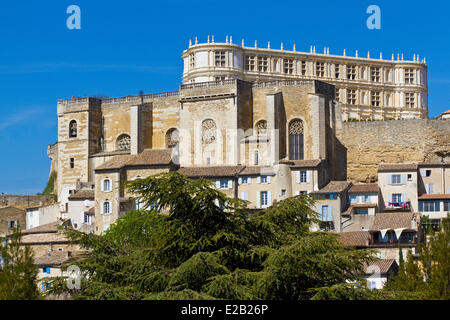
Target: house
[(389, 233), (10, 218), (81, 210), (331, 201), (398, 183), (379, 271), (37, 216), (363, 205)]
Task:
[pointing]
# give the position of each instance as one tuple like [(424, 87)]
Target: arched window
[(296, 140), (73, 129), (209, 131), (172, 138), (261, 127), (123, 142)]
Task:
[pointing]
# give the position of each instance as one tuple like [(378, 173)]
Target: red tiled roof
[(393, 221), (302, 163), (383, 266), (364, 188), (355, 238), (334, 187), (257, 171), (397, 167), (434, 196), (147, 157), (82, 194), (213, 171)]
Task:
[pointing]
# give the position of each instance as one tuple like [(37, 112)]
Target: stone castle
[(262, 124)]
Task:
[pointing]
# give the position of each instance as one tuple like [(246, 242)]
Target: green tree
[(18, 274), (193, 242), (428, 275)]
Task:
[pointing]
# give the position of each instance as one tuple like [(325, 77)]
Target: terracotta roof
[(49, 227), (397, 167), (147, 157), (54, 258), (393, 221), (222, 171), (364, 188), (11, 210), (334, 187), (434, 196), (302, 163), (384, 266), (82, 194), (42, 238), (257, 171), (435, 163), (355, 238)]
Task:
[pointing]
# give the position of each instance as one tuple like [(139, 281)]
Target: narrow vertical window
[(72, 163), (73, 130), (296, 140)]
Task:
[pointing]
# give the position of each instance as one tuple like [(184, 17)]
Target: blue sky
[(127, 46)]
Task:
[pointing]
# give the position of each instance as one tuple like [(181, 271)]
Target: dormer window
[(73, 129)]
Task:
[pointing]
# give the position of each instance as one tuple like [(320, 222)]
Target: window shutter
[(403, 179), (389, 197), (308, 176), (82, 218), (404, 197), (218, 184), (298, 176), (249, 180), (230, 184), (420, 206), (269, 179), (102, 185), (101, 207), (240, 180), (437, 206), (269, 198), (258, 202), (422, 172), (330, 213), (389, 178), (258, 180)]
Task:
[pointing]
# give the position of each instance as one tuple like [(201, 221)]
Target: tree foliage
[(18, 274), (193, 242)]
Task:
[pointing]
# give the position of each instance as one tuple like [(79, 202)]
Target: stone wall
[(24, 202), (400, 141)]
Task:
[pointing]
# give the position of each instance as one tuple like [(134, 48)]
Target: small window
[(283, 192), (320, 69), (245, 180), (262, 64), (264, 198), (46, 270), (72, 163), (396, 179), (396, 197), (223, 184), (12, 224), (250, 63), (409, 177), (409, 76), (351, 72), (73, 130), (288, 66), (303, 176), (106, 207), (428, 173), (351, 96), (263, 179), (219, 58), (256, 158), (107, 185)]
